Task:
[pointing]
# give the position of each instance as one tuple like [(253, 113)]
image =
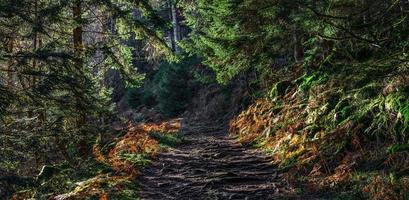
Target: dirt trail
[(210, 165)]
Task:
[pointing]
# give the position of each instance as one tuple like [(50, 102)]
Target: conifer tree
[(235, 36), (53, 60)]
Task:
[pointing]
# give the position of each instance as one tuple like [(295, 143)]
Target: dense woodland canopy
[(321, 86)]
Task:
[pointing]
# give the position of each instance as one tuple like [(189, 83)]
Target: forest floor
[(209, 164)]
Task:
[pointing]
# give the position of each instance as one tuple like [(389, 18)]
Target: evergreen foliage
[(353, 51), (233, 36), (170, 89), (334, 74), (54, 57), (173, 88)]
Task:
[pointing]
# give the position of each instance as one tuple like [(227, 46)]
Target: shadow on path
[(210, 165)]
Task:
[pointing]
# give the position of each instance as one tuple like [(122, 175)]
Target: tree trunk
[(10, 75), (403, 5), (35, 43), (37, 67), (298, 49), (77, 34), (176, 27), (78, 50)]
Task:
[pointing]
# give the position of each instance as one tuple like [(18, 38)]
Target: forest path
[(210, 165)]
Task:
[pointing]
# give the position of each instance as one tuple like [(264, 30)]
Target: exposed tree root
[(209, 165)]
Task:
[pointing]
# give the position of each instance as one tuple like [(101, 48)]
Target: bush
[(174, 86), (143, 96), (169, 89)]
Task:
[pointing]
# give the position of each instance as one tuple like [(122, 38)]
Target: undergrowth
[(167, 140), (110, 174), (332, 125)]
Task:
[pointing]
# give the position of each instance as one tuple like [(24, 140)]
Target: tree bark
[(10, 75), (298, 49), (37, 67), (35, 42), (77, 33), (176, 27), (78, 50)]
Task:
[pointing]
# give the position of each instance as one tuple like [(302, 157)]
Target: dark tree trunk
[(10, 75), (78, 49), (77, 33)]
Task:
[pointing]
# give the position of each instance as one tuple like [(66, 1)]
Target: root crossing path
[(210, 165)]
